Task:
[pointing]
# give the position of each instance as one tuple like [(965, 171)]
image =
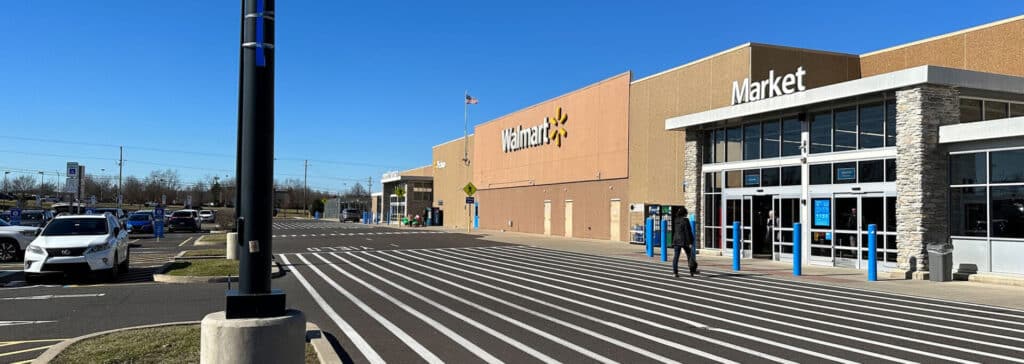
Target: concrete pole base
[(231, 246), (279, 339)]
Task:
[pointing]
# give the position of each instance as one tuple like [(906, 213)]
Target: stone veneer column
[(921, 174), (692, 161)]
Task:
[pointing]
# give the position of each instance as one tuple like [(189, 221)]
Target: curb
[(200, 242), (324, 350), (55, 350), (275, 272)]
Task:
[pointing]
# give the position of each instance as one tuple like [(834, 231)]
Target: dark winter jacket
[(682, 234)]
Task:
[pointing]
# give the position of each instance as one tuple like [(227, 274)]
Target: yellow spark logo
[(557, 123)]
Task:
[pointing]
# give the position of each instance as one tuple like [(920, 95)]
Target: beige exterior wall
[(524, 207), (594, 147), (996, 47), (425, 171), (449, 180)]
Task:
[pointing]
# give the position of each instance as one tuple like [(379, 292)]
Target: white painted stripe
[(595, 334), (350, 332), (830, 302), (696, 313), (52, 296), (293, 235), (454, 336), (185, 242), (15, 323), (423, 352), (508, 340), (519, 265), (591, 318), (660, 326)]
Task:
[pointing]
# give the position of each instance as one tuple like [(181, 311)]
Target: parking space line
[(25, 351), (185, 242)]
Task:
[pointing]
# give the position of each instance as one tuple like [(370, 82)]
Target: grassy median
[(204, 268), (215, 238), (205, 253), (168, 344)]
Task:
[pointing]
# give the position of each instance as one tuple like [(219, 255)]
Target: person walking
[(682, 239)]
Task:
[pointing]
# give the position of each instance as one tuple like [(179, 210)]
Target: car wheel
[(8, 251), (127, 259)]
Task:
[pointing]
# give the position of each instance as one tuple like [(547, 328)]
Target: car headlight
[(98, 248), (36, 250)]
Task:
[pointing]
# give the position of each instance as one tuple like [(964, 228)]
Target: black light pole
[(254, 297)]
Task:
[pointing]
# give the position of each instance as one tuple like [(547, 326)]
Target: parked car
[(207, 215), (185, 219), (35, 218), (14, 240), (140, 222), (7, 196), (79, 244), (352, 215), (118, 213)]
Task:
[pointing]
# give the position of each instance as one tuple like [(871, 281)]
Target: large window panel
[(845, 172), (890, 123), (1016, 110), (733, 179), (890, 214), (846, 213), (1007, 166), (790, 137), (1007, 211), (872, 125), (791, 176), (996, 110), (752, 178), (967, 211), (967, 169), (872, 212), (890, 170), (752, 141), (871, 171), (772, 140), (845, 133), (970, 110), (821, 132), (719, 145), (734, 144), (709, 147), (769, 177), (821, 174)]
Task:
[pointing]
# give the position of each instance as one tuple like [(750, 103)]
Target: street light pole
[(5, 180), (305, 186)]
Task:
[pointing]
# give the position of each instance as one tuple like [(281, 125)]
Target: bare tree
[(24, 184)]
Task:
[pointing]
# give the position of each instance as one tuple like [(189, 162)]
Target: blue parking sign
[(158, 222), (15, 216)]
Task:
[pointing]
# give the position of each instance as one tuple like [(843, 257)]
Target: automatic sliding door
[(786, 212), (846, 237), (821, 231)]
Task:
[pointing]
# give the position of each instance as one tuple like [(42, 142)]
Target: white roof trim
[(982, 130), (883, 82)]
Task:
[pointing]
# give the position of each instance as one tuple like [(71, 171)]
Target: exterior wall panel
[(994, 48), (524, 207), (449, 180)]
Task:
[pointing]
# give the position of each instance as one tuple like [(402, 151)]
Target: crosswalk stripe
[(520, 266), (371, 355), (423, 352), (459, 339)]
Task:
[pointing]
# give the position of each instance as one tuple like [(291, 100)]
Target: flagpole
[(465, 129)]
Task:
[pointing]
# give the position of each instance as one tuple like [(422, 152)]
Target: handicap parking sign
[(15, 216), (158, 222)]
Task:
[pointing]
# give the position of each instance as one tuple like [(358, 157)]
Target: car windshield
[(181, 214), (63, 227), (139, 217)]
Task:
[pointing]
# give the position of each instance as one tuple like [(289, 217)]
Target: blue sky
[(365, 87)]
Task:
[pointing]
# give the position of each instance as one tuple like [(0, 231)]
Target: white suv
[(14, 239), (79, 244)]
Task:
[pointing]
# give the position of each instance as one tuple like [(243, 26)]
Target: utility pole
[(369, 193), (305, 187), (120, 175)]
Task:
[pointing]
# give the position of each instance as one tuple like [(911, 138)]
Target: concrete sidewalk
[(962, 291)]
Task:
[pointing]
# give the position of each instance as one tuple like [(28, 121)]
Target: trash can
[(940, 262)]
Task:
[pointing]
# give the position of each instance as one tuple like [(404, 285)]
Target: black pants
[(690, 258)]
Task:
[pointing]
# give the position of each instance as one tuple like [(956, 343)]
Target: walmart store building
[(924, 140)]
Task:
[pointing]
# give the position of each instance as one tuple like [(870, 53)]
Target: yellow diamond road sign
[(470, 189)]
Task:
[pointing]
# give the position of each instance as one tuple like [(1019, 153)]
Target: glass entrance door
[(839, 230), (737, 209), (846, 235), (785, 211)]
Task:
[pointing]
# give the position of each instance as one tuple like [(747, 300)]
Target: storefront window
[(719, 146), (872, 125), (771, 142), (872, 212), (996, 110), (970, 110), (846, 213), (791, 176), (1007, 211), (709, 146), (845, 133), (890, 123), (890, 170), (821, 132), (967, 169), (769, 177), (967, 211), (890, 215), (752, 178), (1007, 166), (712, 183), (790, 137), (734, 144), (1016, 110), (871, 171), (733, 179), (821, 174), (845, 172), (752, 141)]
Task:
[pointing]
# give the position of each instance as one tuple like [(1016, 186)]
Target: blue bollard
[(737, 245), (872, 250), (693, 228), (797, 254), (649, 236), (664, 240)]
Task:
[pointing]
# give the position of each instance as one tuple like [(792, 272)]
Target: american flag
[(471, 100)]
